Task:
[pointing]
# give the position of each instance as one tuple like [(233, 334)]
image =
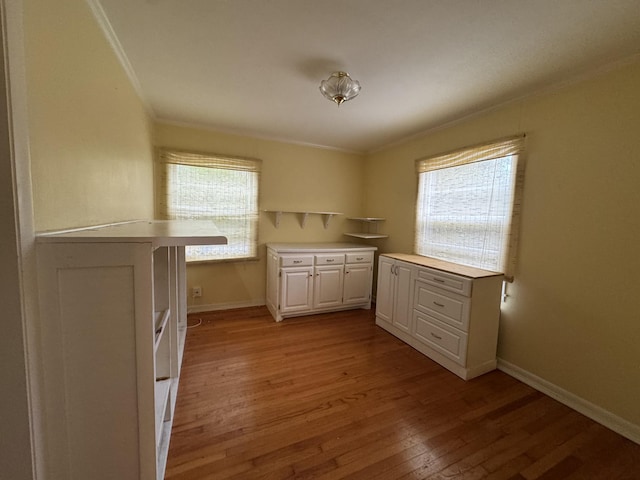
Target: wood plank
[(333, 396)]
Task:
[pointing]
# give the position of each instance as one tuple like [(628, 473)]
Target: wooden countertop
[(464, 270)]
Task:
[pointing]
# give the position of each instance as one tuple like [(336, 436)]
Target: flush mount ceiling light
[(340, 87)]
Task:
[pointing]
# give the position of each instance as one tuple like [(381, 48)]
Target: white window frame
[(238, 221), (487, 241)]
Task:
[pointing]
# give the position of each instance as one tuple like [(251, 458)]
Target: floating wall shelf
[(327, 216), (371, 228)]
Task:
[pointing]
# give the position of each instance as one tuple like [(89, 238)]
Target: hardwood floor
[(333, 396)]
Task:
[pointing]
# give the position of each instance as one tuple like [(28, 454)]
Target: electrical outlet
[(196, 292)]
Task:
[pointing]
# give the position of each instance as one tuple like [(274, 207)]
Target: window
[(210, 187), (468, 203)]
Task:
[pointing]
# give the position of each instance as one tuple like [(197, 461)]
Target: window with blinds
[(468, 205), (211, 187)]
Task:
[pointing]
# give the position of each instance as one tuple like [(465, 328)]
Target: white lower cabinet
[(446, 311), (394, 294), (113, 312), (303, 279)]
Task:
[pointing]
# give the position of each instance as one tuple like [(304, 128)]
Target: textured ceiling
[(253, 67)]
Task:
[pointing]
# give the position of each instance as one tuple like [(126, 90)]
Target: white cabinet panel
[(357, 283), (361, 257), (273, 271), (402, 312), (385, 294), (297, 289), (449, 342), (99, 355), (329, 259), (296, 260), (327, 289), (393, 300), (447, 307)]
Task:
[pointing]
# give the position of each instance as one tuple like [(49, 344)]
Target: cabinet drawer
[(330, 259), (296, 261), (362, 257), (450, 282), (447, 307), (441, 338)]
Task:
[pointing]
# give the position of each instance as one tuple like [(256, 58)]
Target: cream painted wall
[(573, 313), (293, 177), (91, 154)]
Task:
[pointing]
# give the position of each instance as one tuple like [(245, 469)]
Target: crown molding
[(555, 87), (111, 37), (244, 133)]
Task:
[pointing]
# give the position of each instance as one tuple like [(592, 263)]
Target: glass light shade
[(340, 87)]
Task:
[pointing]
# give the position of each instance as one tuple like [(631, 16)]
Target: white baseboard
[(594, 412), (224, 306)]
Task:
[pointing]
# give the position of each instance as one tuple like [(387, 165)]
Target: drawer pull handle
[(329, 260), (297, 261), (359, 258), (438, 304), (438, 279), (437, 337)]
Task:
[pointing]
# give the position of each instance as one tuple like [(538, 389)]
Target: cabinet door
[(402, 307), (386, 287), (328, 286), (296, 289), (357, 284)]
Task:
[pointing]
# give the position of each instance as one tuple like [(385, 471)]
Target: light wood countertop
[(464, 270)]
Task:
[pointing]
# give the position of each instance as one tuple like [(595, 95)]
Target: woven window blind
[(211, 187), (468, 205)]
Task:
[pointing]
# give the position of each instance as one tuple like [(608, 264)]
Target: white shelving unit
[(369, 228), (113, 307), (304, 215)]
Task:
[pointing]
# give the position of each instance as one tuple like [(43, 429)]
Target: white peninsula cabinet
[(113, 312), (446, 311), (307, 278)]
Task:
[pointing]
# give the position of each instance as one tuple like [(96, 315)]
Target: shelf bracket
[(303, 220), (327, 218)]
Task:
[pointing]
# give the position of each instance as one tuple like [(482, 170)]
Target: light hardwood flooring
[(333, 396)]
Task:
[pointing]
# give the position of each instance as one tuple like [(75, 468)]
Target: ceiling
[(253, 67)]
